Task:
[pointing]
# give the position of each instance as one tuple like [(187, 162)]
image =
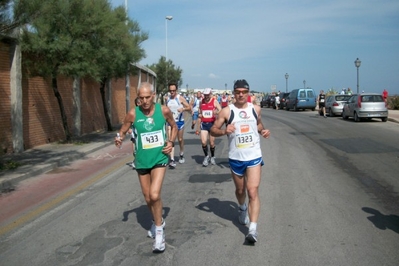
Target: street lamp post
[(357, 65), (166, 49), (286, 82), (166, 33), (304, 84), (127, 76)]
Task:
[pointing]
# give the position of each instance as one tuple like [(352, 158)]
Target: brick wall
[(5, 99), (41, 115)]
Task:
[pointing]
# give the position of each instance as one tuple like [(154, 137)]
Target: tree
[(76, 38), (119, 47), (6, 23), (166, 72)]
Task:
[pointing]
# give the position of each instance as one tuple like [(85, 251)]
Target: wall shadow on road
[(143, 215), (382, 221), (226, 210)]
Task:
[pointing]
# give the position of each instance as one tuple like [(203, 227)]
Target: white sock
[(252, 226), (158, 228), (243, 207)]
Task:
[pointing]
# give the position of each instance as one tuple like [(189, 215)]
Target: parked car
[(335, 103), (365, 106), (301, 99), (283, 98), (268, 101)]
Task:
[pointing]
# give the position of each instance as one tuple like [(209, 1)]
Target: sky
[(216, 42)]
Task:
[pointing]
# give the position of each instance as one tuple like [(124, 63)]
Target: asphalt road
[(328, 192)]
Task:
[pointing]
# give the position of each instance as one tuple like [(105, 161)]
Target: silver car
[(335, 103), (365, 106)]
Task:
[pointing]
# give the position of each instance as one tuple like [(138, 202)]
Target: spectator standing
[(385, 95), (322, 103), (277, 101), (349, 92)]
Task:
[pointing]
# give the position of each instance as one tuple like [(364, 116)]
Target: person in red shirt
[(208, 110), (385, 95), (225, 100)]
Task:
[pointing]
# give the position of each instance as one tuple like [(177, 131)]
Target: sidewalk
[(393, 116), (47, 157)]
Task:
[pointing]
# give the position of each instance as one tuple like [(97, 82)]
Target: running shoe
[(243, 216), (151, 232), (181, 160), (213, 160), (172, 164), (252, 236), (206, 161), (159, 242)]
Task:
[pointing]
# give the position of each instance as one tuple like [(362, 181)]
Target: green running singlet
[(151, 138)]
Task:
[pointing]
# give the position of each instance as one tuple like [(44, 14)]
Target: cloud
[(213, 76)]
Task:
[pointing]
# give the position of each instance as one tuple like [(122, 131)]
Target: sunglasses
[(172, 90), (241, 91)]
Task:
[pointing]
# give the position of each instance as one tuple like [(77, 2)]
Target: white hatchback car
[(365, 106)]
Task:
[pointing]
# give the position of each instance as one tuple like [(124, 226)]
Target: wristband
[(173, 144)]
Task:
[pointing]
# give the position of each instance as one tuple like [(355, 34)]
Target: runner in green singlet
[(152, 149)]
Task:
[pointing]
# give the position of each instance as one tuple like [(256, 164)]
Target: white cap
[(207, 91)]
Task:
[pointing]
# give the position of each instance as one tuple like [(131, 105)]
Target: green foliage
[(78, 38), (9, 165), (331, 91), (166, 72), (393, 102)]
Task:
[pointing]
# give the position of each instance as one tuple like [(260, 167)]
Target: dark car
[(268, 101), (283, 97)]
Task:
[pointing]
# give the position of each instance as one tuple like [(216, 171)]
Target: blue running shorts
[(239, 167), (206, 126), (180, 125), (195, 116)]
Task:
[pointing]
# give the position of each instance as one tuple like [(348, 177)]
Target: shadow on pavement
[(143, 215), (226, 210), (382, 221)]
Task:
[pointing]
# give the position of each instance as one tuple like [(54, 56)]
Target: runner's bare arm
[(173, 128), (126, 125), (216, 130), (199, 120), (217, 107), (186, 105)]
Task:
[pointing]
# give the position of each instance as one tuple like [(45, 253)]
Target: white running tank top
[(173, 105), (244, 143)]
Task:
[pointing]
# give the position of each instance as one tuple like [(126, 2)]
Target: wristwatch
[(173, 144)]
